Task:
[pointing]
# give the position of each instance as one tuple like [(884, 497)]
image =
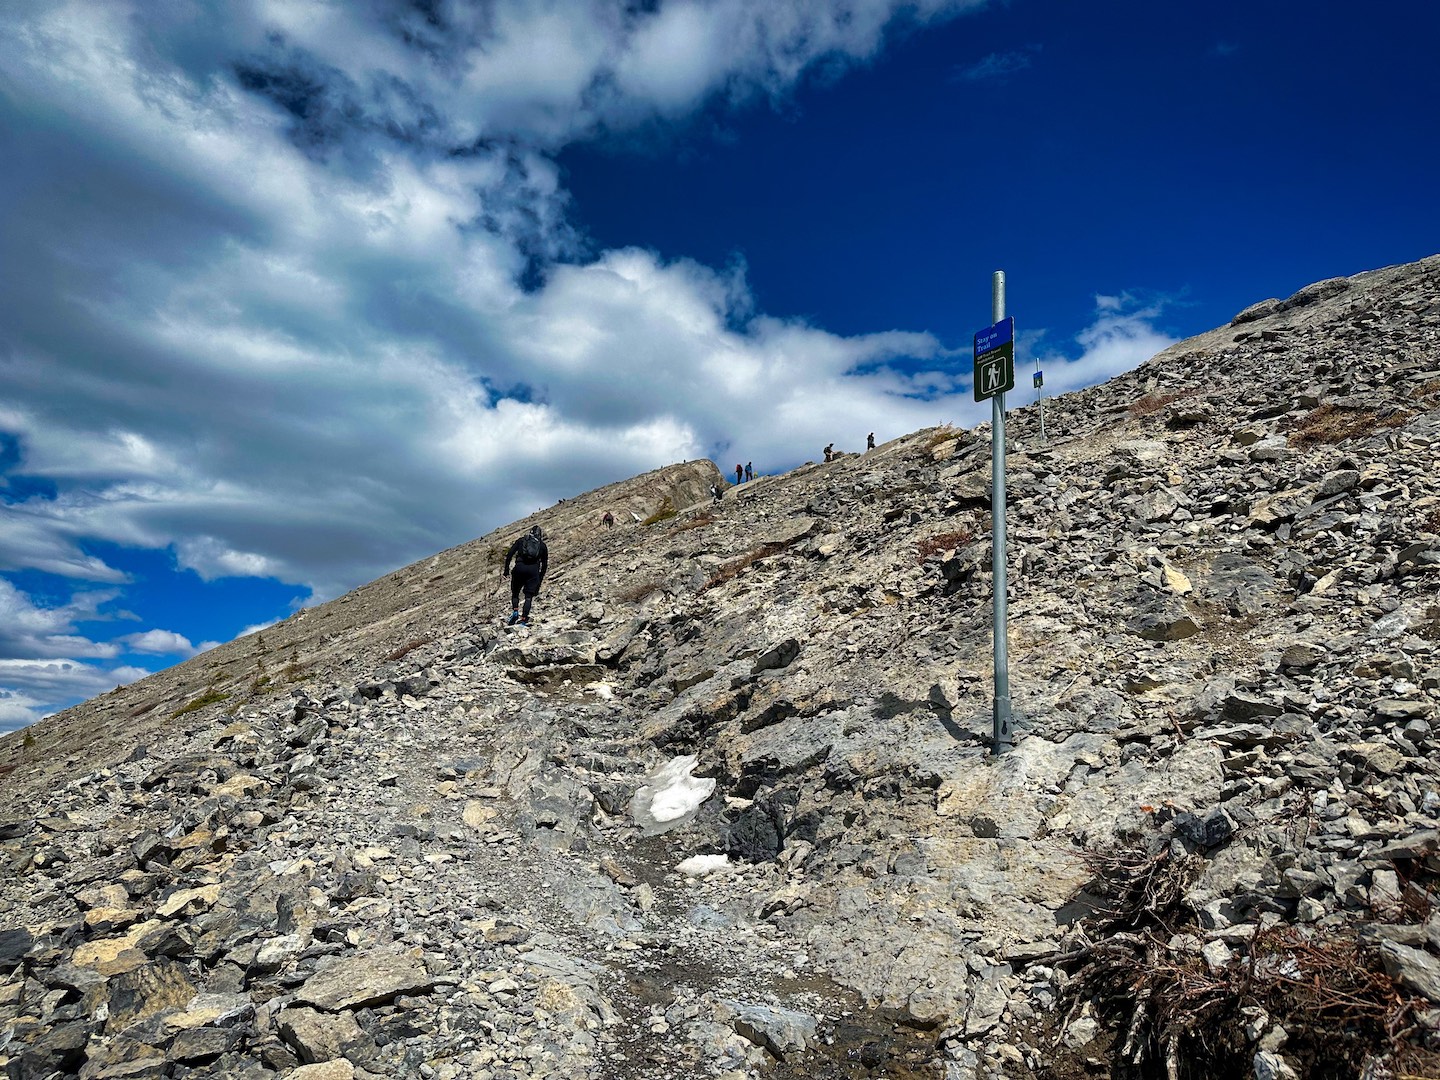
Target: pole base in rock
[(1002, 740)]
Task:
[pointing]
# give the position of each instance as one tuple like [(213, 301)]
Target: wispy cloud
[(997, 67), (1124, 334)]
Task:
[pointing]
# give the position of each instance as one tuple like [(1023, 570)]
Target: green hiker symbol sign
[(995, 359)]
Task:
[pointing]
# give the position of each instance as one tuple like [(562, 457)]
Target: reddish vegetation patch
[(943, 542), (732, 570), (1154, 402), (1335, 424), (409, 647)]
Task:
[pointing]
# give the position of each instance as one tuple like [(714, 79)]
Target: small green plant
[(665, 512), (209, 697), (943, 433)]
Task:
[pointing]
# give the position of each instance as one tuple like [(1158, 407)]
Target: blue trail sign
[(995, 359)]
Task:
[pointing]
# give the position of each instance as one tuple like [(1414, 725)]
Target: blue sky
[(294, 293)]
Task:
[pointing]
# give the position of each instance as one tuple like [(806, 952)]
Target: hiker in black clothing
[(870, 441), (532, 559)]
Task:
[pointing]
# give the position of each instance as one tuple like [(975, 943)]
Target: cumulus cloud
[(160, 643), (32, 631), (29, 689), (300, 299)]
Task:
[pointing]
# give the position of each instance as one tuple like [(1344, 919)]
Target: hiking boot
[(524, 622), (514, 618)]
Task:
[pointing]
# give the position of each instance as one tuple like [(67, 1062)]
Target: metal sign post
[(1040, 399), (995, 374)]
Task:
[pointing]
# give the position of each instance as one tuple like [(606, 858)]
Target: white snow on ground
[(697, 865), (670, 793)]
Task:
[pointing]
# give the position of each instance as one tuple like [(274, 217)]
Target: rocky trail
[(729, 808)]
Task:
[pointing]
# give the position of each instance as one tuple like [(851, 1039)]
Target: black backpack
[(529, 549)]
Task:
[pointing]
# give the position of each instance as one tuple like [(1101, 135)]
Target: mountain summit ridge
[(391, 836)]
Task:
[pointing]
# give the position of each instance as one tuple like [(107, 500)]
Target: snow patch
[(699, 865), (670, 793)]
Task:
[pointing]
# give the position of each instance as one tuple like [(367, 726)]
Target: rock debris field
[(729, 807)]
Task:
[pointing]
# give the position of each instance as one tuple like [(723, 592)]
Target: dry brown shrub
[(1328, 989), (1428, 389), (736, 567), (409, 647), (1153, 402), (699, 521), (1329, 424), (633, 593), (942, 542)]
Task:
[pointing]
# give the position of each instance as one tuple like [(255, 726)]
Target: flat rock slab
[(368, 979), (1414, 969), (781, 1031)]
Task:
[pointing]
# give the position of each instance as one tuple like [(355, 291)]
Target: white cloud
[(998, 67), (29, 689), (1123, 336), (30, 631), (279, 311), (160, 643)]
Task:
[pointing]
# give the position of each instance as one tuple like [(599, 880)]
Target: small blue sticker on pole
[(995, 359)]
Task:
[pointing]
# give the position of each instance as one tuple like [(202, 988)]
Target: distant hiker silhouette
[(739, 473), (829, 451), (870, 441), (715, 491), (608, 520), (532, 559), (749, 470)]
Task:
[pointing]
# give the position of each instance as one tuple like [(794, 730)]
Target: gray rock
[(1414, 969), (781, 1031), (366, 979)]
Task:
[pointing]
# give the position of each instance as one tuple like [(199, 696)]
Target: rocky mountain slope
[(729, 807)]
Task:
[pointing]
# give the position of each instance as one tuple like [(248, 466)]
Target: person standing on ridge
[(749, 471), (532, 559), (739, 474), (870, 441)]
